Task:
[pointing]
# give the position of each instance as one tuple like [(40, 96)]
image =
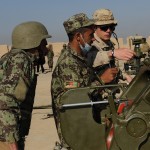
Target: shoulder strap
[(11, 53)]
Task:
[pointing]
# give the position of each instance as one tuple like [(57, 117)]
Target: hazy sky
[(133, 16)]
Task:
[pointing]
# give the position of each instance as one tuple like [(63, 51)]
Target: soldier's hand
[(109, 75), (124, 54), (128, 78)]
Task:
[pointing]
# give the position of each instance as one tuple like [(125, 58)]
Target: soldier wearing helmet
[(50, 55), (72, 70), (64, 46), (18, 82), (103, 49)]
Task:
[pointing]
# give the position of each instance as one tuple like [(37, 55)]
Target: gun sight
[(138, 41)]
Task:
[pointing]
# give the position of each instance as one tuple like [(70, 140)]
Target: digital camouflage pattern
[(104, 16), (71, 71), (9, 132), (17, 75), (77, 21), (64, 48)]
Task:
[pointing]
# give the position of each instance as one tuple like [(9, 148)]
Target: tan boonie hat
[(77, 21), (103, 16)]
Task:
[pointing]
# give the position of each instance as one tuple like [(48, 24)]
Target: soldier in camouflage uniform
[(18, 83), (103, 49), (71, 70), (64, 46), (50, 55), (41, 62)]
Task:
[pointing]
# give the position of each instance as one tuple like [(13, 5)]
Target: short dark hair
[(80, 30)]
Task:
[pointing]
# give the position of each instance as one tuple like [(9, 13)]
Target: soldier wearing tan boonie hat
[(103, 49)]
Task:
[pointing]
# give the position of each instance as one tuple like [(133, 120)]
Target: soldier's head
[(30, 36), (50, 47), (105, 23), (80, 31), (64, 46)]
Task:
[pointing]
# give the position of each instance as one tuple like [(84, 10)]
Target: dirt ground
[(42, 134)]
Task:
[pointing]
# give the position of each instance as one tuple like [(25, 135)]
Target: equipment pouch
[(21, 90)]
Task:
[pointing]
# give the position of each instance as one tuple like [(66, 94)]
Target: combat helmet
[(29, 35), (64, 46), (103, 17)]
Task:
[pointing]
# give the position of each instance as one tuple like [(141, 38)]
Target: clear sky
[(133, 16)]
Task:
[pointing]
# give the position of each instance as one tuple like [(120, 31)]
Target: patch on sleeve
[(71, 84)]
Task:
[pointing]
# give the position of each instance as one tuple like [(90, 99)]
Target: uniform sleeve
[(101, 58), (17, 77), (66, 75)]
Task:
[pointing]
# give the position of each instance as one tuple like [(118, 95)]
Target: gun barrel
[(84, 104), (91, 103)]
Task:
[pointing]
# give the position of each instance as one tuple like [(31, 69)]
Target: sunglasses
[(106, 27)]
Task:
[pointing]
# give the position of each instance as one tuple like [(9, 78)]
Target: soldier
[(50, 55), (103, 49), (64, 46), (18, 83), (40, 63), (71, 70)]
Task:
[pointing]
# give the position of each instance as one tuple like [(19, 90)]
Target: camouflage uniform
[(17, 76), (71, 71), (50, 55), (18, 82)]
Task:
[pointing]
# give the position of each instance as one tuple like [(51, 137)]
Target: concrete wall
[(57, 46), (122, 43), (3, 49)]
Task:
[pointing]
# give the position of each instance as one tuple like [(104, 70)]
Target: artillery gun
[(125, 122)]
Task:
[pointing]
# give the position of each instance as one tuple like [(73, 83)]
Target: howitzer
[(129, 116), (132, 67)]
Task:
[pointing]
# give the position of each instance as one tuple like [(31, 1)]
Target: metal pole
[(84, 104)]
